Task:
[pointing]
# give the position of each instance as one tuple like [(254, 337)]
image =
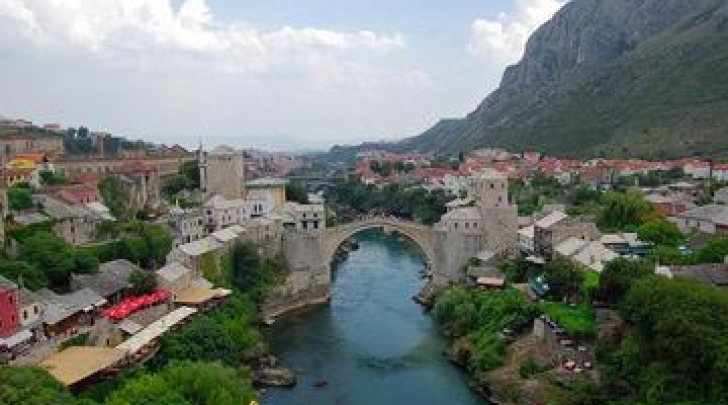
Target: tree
[(23, 273), (159, 244), (85, 262), (113, 196), (20, 197), (50, 178), (714, 251), (187, 383), (296, 193), (661, 232), (618, 276), (625, 211), (142, 282), (53, 255), (565, 280), (246, 265), (177, 183), (145, 244), (679, 351), (32, 386)]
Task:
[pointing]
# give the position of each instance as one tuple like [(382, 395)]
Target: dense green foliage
[(296, 193), (353, 198), (49, 178), (142, 282), (32, 386), (479, 316), (20, 197), (624, 211), (678, 349), (187, 383), (142, 243), (565, 280), (55, 259), (222, 335), (618, 276), (661, 232), (188, 178), (45, 260), (114, 197)]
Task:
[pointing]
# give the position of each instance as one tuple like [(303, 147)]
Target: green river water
[(373, 345)]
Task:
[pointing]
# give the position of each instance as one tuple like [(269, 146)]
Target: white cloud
[(153, 34), (504, 38)]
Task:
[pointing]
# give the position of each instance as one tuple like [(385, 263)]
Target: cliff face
[(646, 77)]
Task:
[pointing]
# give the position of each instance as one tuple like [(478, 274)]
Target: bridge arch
[(419, 234)]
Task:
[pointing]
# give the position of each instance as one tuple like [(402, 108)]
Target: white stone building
[(302, 217), (220, 212), (187, 225)]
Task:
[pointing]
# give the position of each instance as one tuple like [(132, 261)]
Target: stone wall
[(309, 279)]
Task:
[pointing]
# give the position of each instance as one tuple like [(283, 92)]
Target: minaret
[(201, 166), (4, 207)]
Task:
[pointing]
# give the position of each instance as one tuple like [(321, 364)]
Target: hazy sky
[(282, 74)]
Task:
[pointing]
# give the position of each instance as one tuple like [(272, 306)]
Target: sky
[(275, 74)]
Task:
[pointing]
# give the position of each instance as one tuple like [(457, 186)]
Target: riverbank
[(510, 354)]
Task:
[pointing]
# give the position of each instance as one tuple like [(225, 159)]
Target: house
[(525, 239), (302, 217), (65, 314), (187, 225), (558, 227), (175, 278), (669, 204), (186, 287), (626, 244), (268, 189), (192, 254), (721, 196), (713, 274), (30, 313), (221, 212), (110, 282), (140, 181), (591, 255), (75, 224), (9, 302), (710, 219), (76, 194)]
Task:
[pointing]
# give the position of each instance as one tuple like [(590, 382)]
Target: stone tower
[(222, 172), (489, 190)]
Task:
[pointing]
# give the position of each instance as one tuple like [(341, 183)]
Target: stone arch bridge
[(421, 235)]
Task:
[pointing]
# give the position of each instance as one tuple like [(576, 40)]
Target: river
[(373, 345)]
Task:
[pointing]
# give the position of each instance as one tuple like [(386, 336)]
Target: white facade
[(302, 217), (187, 225), (220, 212)]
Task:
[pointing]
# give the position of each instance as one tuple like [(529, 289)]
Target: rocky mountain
[(608, 77)]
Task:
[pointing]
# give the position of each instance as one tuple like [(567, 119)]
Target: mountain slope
[(616, 77)]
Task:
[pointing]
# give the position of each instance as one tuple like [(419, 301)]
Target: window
[(25, 314), (35, 309)]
